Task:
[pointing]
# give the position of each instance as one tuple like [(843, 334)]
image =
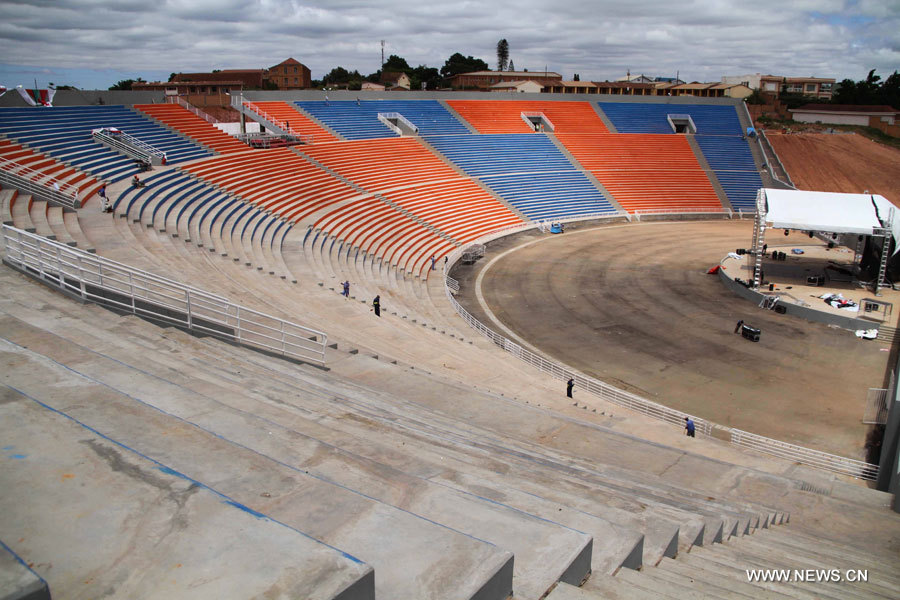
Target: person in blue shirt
[(688, 427)]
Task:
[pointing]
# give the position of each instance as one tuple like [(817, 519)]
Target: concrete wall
[(88, 97), (833, 119), (81, 97)]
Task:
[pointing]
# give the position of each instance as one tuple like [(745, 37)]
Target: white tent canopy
[(826, 211)]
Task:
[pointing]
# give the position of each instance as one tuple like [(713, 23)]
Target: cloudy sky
[(94, 43)]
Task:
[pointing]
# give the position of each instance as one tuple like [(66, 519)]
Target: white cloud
[(701, 39)]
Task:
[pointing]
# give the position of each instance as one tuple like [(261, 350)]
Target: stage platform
[(834, 267)]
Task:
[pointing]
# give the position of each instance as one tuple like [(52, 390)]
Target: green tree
[(125, 84), (502, 54), (870, 90), (427, 75), (396, 64), (458, 63)]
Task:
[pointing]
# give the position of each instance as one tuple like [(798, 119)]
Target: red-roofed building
[(290, 75)]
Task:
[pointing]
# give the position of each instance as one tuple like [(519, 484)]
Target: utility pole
[(382, 55)]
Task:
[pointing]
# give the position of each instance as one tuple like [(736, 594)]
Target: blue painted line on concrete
[(170, 471), (230, 441), (23, 563)]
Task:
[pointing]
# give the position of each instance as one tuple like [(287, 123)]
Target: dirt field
[(839, 163), (632, 305)]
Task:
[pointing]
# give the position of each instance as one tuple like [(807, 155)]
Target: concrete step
[(56, 221), (73, 227), (131, 526), (626, 587), (21, 212), (725, 570), (738, 564), (7, 198), (403, 548), (546, 551), (38, 215), (564, 591)]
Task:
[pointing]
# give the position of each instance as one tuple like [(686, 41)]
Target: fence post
[(131, 285), (190, 321)]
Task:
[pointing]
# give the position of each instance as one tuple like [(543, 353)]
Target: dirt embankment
[(839, 163)]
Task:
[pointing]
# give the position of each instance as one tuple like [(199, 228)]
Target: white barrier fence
[(144, 294), (814, 458), (38, 184)]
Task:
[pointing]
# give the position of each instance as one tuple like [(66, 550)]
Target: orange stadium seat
[(645, 171), (505, 116), (187, 123), (300, 124)]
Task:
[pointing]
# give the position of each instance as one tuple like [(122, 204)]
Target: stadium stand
[(505, 116), (359, 120), (45, 169), (526, 170), (64, 133), (645, 172), (415, 464), (300, 124), (730, 159), (647, 117), (188, 124)]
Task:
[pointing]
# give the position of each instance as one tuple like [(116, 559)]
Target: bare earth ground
[(839, 163), (632, 305)]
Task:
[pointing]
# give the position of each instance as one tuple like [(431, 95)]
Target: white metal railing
[(129, 145), (682, 211), (266, 140), (281, 125), (773, 161), (38, 184), (96, 279), (875, 411), (184, 104), (807, 456), (386, 119), (815, 458)]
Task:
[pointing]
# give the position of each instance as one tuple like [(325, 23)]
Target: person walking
[(689, 427), (346, 292), (376, 305), (737, 327), (570, 385), (432, 262)]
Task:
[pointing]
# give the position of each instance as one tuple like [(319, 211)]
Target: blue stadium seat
[(634, 117), (528, 171), (64, 132), (360, 122), (730, 159)]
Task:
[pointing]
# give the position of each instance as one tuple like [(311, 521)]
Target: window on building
[(295, 80), (825, 87), (810, 87)]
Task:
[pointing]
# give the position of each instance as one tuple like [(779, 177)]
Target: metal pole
[(189, 319)]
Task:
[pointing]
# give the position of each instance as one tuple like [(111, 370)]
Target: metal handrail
[(184, 104), (96, 279), (808, 456), (305, 138), (129, 145), (26, 179)]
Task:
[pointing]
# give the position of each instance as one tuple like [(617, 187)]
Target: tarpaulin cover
[(825, 211)]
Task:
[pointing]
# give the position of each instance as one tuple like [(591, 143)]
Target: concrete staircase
[(371, 458)]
